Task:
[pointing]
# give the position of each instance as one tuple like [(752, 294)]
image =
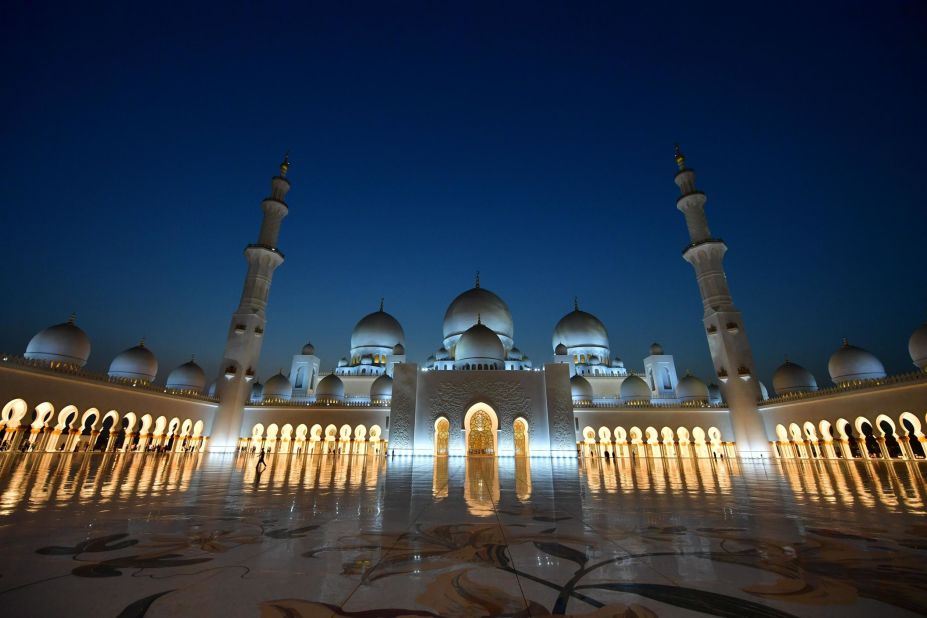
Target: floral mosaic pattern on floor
[(184, 534)]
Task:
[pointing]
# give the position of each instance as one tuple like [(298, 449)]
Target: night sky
[(532, 142)]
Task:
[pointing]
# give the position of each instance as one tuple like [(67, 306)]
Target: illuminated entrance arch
[(442, 433), (481, 426)]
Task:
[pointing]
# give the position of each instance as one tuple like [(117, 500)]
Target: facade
[(478, 394)]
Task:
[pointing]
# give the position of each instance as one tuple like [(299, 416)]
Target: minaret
[(246, 331), (724, 327)]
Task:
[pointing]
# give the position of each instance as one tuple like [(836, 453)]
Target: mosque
[(478, 394)]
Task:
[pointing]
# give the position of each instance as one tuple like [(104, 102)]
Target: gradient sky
[(532, 142)]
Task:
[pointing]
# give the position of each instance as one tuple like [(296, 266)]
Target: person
[(608, 455), (260, 462)]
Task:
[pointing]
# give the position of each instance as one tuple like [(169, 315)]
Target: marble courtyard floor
[(177, 535)]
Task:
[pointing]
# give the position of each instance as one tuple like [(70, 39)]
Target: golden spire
[(680, 159), (141, 343), (285, 166), (477, 279), (73, 318)]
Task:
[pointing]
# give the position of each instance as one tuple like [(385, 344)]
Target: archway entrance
[(521, 437), (442, 432), (480, 425)]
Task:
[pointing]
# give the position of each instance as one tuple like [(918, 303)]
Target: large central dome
[(478, 304), (377, 330)]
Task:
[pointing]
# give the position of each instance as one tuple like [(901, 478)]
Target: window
[(301, 377)]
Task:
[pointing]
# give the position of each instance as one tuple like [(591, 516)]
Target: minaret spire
[(575, 303), (246, 331), (727, 338), (381, 304)]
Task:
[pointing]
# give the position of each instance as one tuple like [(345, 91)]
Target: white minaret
[(727, 338), (246, 331)]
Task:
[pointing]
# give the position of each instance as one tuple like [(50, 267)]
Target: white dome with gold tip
[(329, 389), (793, 378), (634, 389), (63, 343), (376, 333), (851, 363), (187, 377), (580, 330), (478, 302), (136, 363), (479, 345)]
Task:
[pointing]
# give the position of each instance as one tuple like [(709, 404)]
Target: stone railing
[(846, 387), (71, 370), (312, 403)]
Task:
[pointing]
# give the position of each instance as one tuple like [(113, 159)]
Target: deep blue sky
[(530, 141)]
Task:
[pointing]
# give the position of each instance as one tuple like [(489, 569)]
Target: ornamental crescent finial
[(680, 158), (285, 165)]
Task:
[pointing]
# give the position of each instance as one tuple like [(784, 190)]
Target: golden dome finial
[(73, 318), (285, 165), (575, 303), (477, 279), (381, 304), (680, 158)]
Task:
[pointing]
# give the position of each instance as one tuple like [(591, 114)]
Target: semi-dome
[(633, 388), (136, 363), (308, 349), (714, 394), (377, 330), (917, 346), (580, 388), (330, 389), (187, 377), (691, 388), (61, 343), (656, 349), (278, 387), (399, 350), (479, 344), (792, 378), (561, 350), (580, 329), (852, 363), (478, 304), (382, 388)]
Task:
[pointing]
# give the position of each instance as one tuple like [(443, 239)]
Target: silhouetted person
[(260, 461)]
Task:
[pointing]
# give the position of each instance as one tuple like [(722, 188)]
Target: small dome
[(581, 389), (257, 391), (330, 388), (595, 360), (377, 330), (382, 388), (580, 329), (633, 388), (136, 363), (442, 354), (278, 387), (714, 394), (917, 347), (561, 350), (62, 343), (477, 304), (308, 349), (479, 343), (516, 354), (656, 349), (617, 363), (399, 350), (691, 388), (187, 377), (792, 378), (852, 363), (343, 362)]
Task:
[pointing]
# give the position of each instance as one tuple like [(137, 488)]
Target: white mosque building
[(478, 394)]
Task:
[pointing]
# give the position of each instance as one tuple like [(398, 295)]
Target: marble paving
[(177, 535)]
